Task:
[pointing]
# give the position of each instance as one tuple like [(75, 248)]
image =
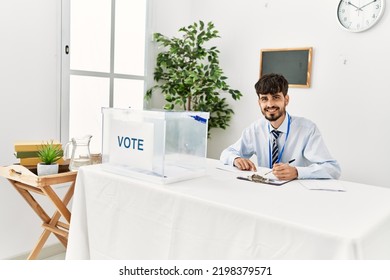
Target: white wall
[(162, 16), (29, 107), (347, 101)]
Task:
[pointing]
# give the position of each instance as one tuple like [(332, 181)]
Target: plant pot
[(47, 169)]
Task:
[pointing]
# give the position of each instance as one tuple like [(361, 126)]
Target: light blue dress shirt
[(304, 144)]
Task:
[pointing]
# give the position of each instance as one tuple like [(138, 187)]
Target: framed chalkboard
[(293, 63)]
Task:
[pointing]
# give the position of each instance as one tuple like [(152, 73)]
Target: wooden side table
[(27, 182)]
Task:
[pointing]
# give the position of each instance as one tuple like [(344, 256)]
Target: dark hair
[(271, 84)]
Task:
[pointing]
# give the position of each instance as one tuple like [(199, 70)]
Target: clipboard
[(256, 178)]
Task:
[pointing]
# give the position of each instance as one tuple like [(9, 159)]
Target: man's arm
[(244, 164), (323, 165), (284, 171), (239, 153)]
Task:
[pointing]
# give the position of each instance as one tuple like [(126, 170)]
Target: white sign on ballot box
[(131, 143)]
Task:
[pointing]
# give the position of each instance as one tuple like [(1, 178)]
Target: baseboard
[(46, 252)]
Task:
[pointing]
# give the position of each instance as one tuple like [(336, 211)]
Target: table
[(26, 182), (219, 217)]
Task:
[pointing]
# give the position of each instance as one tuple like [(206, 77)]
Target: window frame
[(66, 72)]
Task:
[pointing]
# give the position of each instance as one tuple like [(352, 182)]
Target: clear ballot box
[(158, 146)]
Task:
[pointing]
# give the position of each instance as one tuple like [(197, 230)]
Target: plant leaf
[(188, 74)]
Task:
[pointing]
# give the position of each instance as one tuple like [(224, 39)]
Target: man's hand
[(244, 164), (284, 171)]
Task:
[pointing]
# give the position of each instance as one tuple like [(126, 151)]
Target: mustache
[(272, 107)]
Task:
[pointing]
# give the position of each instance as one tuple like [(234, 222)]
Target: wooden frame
[(27, 183), (293, 63)]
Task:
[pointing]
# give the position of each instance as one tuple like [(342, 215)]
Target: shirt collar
[(283, 127)]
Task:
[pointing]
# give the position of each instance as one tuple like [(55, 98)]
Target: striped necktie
[(275, 150)]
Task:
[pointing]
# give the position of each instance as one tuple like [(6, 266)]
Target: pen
[(243, 178), (291, 161)]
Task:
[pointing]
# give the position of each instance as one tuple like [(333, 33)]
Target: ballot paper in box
[(158, 146)]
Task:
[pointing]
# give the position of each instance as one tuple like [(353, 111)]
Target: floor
[(51, 252), (56, 257)]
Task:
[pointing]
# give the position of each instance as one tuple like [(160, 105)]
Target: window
[(107, 53)]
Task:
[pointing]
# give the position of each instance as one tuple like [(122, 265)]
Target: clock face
[(359, 15)]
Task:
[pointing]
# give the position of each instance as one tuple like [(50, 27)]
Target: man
[(279, 138)]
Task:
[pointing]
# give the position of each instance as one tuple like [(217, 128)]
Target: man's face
[(273, 106)]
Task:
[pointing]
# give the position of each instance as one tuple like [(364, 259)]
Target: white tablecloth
[(220, 217)]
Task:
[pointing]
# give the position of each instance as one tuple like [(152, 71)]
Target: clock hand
[(357, 8), (367, 4)]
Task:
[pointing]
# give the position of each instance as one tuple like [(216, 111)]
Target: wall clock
[(359, 15)]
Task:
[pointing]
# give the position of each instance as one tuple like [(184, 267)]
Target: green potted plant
[(189, 76), (49, 154)]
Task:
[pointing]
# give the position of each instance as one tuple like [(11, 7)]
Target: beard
[(279, 112)]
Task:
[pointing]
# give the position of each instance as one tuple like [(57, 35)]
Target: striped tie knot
[(275, 133)]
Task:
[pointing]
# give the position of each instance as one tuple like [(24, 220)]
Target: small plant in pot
[(49, 154)]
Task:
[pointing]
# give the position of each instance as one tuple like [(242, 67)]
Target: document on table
[(269, 178), (260, 170), (323, 185), (230, 168)]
